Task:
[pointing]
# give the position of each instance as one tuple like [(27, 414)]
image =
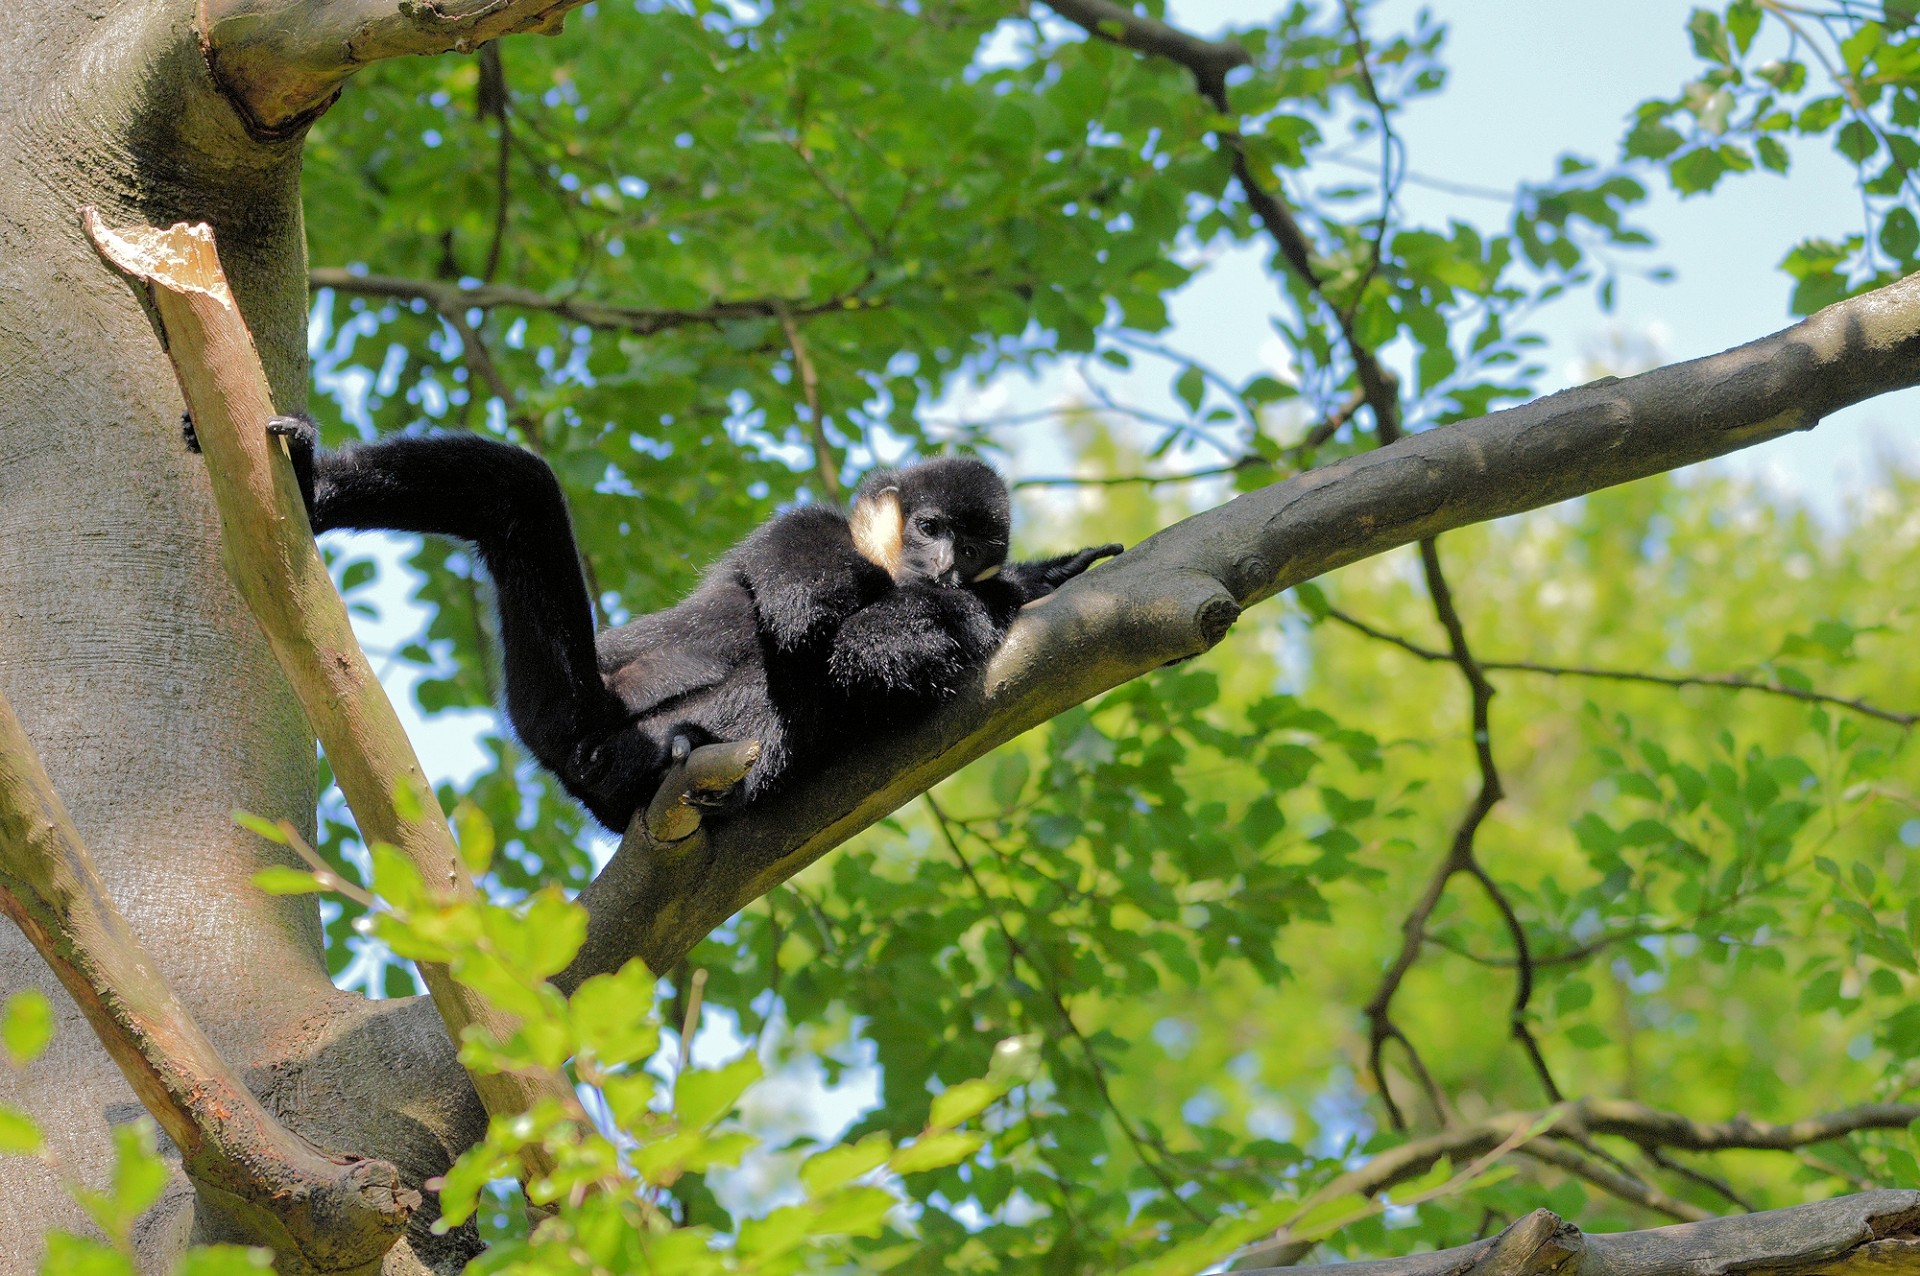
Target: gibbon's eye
[(967, 552), (927, 527)]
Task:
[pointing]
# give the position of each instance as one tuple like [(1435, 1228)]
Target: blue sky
[(1532, 80)]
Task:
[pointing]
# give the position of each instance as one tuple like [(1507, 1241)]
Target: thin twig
[(824, 458), (640, 320), (1722, 681)]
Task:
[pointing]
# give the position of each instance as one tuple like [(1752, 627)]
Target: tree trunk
[(141, 679)]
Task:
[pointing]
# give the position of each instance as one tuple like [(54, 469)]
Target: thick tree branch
[(1175, 595), (320, 1213), (282, 62), (277, 569), (640, 320)]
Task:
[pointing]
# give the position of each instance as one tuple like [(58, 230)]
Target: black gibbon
[(815, 632)]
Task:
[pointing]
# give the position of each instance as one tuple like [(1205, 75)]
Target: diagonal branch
[(320, 1212), (1854, 1235), (1119, 24), (1649, 1128), (277, 569), (282, 62), (1175, 595)]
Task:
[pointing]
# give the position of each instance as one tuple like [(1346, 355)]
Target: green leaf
[(859, 1211), (1856, 141), (283, 880), (936, 1151), (1743, 23), (26, 1026), (71, 1256), (139, 1177), (613, 1015), (264, 827), (19, 1136), (701, 1098), (473, 832), (1329, 1216), (1900, 233), (1191, 387), (826, 1171), (963, 1102), (1587, 1037), (396, 880), (225, 1260)]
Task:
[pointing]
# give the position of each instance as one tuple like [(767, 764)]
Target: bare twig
[(1724, 682), (825, 459), (640, 320)]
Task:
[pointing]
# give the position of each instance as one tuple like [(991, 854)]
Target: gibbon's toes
[(708, 778), (715, 772), (188, 433)]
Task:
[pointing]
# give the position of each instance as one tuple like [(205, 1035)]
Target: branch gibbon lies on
[(812, 634)]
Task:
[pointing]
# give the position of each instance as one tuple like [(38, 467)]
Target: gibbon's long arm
[(1039, 577), (913, 646), (506, 503)]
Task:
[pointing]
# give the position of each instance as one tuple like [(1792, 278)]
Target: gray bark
[(142, 681)]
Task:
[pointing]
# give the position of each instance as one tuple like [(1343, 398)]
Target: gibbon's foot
[(297, 429), (708, 778)]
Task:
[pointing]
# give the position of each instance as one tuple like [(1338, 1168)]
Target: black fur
[(795, 639)]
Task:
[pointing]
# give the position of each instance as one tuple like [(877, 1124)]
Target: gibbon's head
[(944, 521)]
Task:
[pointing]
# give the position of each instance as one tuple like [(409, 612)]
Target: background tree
[(1303, 922)]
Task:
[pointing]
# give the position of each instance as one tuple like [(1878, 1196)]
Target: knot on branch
[(323, 1217), (1216, 617)]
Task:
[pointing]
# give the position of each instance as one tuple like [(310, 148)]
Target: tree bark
[(141, 680)]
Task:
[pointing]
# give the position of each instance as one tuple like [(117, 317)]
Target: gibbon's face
[(941, 521), (950, 547)]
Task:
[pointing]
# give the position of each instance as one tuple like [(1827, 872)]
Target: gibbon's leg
[(506, 503)]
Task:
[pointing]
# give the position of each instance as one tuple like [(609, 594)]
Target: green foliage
[(1770, 81)]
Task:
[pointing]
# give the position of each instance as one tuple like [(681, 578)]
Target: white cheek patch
[(877, 525), (988, 574)]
